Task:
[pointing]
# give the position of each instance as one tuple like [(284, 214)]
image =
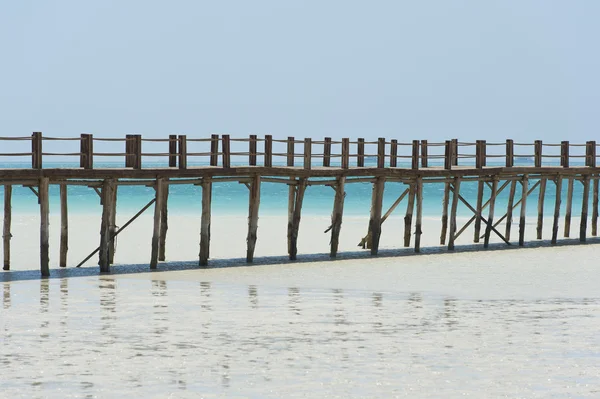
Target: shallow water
[(212, 334)]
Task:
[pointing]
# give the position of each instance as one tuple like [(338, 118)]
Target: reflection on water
[(89, 337)]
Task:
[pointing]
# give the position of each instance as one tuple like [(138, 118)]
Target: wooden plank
[(172, 150), (557, 200), (64, 226), (268, 150), (164, 222), (376, 209), (394, 154), (327, 152), (44, 227), (291, 204), (424, 156), (336, 216), (445, 201), (214, 150), (307, 153), (6, 235), (112, 227), (290, 151), (205, 222), (182, 152), (490, 221), (584, 208), (360, 151), (480, 187), (252, 150), (409, 214), (569, 207), (300, 189), (158, 206), (448, 156), (595, 208), (381, 153), (541, 197), (510, 153), (345, 153), (226, 155), (537, 148), (254, 203), (509, 209), (524, 194), (419, 221), (564, 154), (415, 155), (453, 210)]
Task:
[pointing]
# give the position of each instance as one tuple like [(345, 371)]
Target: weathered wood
[(595, 208), (113, 225), (36, 150), (128, 151), (510, 153), (291, 204), (64, 226), (480, 154), (557, 200), (253, 206), (454, 144), (164, 222), (448, 156), (367, 240), (86, 152), (480, 187), (376, 209), (445, 201), (226, 155), (182, 152), (409, 214), (415, 155), (590, 154), (7, 224), (137, 151), (327, 152), (564, 154), (360, 151), (524, 194), (419, 221), (490, 221), (108, 186), (268, 150), (307, 153), (424, 156), (44, 227), (569, 207), (172, 150), (336, 216), (537, 150), (158, 206), (509, 209), (394, 153), (205, 222), (290, 151), (252, 150), (541, 197), (485, 205), (300, 189), (214, 150), (584, 208), (345, 153), (381, 153), (453, 210)]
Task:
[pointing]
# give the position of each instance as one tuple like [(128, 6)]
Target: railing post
[(252, 148), (381, 152), (394, 153), (137, 152), (345, 153), (510, 153), (86, 157), (564, 154), (36, 150), (214, 150), (454, 152), (172, 150), (268, 150), (590, 154), (327, 152), (424, 153), (415, 154), (360, 151), (182, 151), (307, 152), (480, 154), (538, 153), (448, 155), (128, 147), (290, 151), (226, 151)]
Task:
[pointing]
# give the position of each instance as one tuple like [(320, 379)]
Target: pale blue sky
[(397, 69)]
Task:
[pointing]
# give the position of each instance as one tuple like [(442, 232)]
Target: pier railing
[(220, 150)]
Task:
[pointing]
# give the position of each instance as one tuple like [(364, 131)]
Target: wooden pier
[(520, 167)]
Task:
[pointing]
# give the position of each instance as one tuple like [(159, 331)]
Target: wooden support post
[(291, 206), (252, 150), (454, 152), (480, 154), (254, 203), (158, 206), (36, 150), (345, 153), (172, 150), (510, 153), (307, 152), (45, 226), (268, 150), (564, 154), (409, 213), (557, 200), (182, 152), (448, 157), (569, 207), (301, 188), (214, 150), (137, 151), (128, 151), (205, 222), (537, 146), (584, 208), (415, 155), (490, 221), (290, 151), (64, 226), (424, 159), (595, 208), (381, 152), (453, 210), (226, 156), (164, 222), (541, 197), (376, 208), (360, 151), (7, 223), (336, 215), (445, 201), (524, 194), (108, 187), (590, 154), (86, 152), (112, 228), (478, 207), (394, 153), (509, 209), (327, 152), (419, 223)]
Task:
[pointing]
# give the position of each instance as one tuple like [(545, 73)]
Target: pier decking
[(301, 164)]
